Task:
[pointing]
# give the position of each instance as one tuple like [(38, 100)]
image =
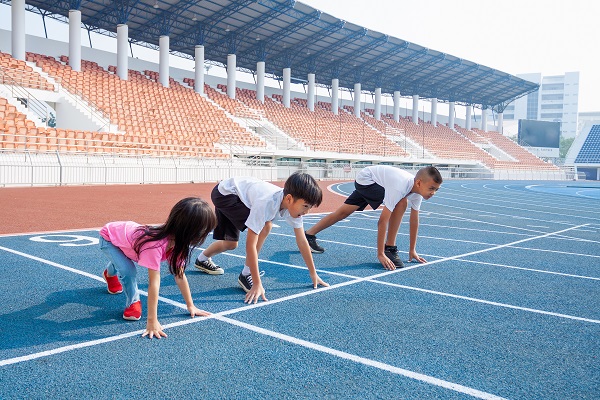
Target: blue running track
[(508, 306)]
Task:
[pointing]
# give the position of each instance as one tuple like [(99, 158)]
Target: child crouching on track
[(396, 189), (242, 203), (126, 242)]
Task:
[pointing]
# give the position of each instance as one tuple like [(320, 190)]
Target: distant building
[(585, 117), (556, 100)]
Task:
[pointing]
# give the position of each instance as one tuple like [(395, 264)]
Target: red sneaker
[(114, 286), (133, 312)]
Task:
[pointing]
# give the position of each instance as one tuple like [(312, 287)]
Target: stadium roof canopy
[(287, 33)]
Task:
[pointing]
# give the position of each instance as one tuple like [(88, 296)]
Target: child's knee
[(267, 227), (230, 245), (127, 273), (343, 213)]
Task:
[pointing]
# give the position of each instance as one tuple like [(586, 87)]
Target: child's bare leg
[(342, 212), (262, 236), (395, 221), (219, 246)]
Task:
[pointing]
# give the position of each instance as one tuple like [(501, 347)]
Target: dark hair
[(303, 186), (189, 223), (431, 172)]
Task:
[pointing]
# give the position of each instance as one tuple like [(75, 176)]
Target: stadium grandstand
[(584, 153), (71, 114)]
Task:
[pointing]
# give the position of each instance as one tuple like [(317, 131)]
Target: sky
[(513, 36)]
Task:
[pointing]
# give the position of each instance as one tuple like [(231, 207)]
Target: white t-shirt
[(396, 182), (262, 198)]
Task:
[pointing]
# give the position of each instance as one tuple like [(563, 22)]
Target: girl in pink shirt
[(126, 242)]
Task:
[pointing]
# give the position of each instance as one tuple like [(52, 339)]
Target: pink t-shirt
[(123, 234)]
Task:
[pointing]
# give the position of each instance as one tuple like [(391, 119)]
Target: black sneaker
[(312, 242), (209, 267), (245, 281), (391, 252)]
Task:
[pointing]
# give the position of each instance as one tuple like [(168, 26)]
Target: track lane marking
[(220, 316)]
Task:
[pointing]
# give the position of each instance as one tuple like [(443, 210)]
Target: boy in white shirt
[(242, 203), (396, 189)]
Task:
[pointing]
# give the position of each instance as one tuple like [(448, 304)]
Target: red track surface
[(42, 209)]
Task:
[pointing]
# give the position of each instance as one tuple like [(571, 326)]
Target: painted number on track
[(66, 240)]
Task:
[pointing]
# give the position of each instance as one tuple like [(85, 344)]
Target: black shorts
[(365, 195), (231, 215)]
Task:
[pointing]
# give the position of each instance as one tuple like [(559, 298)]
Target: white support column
[(75, 40), (260, 81), (434, 112), (17, 11), (335, 87), (397, 105), (484, 119), (357, 99), (468, 117), (287, 77), (163, 67), (415, 110), (310, 95), (500, 122), (451, 115), (231, 66), (378, 104), (122, 50), (199, 68)]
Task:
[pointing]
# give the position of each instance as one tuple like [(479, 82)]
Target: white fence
[(24, 168), (48, 169)]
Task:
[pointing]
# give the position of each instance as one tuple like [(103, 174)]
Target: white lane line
[(64, 267), (431, 380), (554, 236), (290, 339), (52, 263), (457, 218), (64, 349), (579, 193), (543, 271), (484, 250), (365, 361), (322, 271), (328, 241), (454, 218), (374, 279), (48, 232), (478, 230), (493, 303), (587, 230), (530, 211), (309, 215), (350, 282), (421, 236), (337, 190), (522, 201), (221, 316), (556, 251)]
